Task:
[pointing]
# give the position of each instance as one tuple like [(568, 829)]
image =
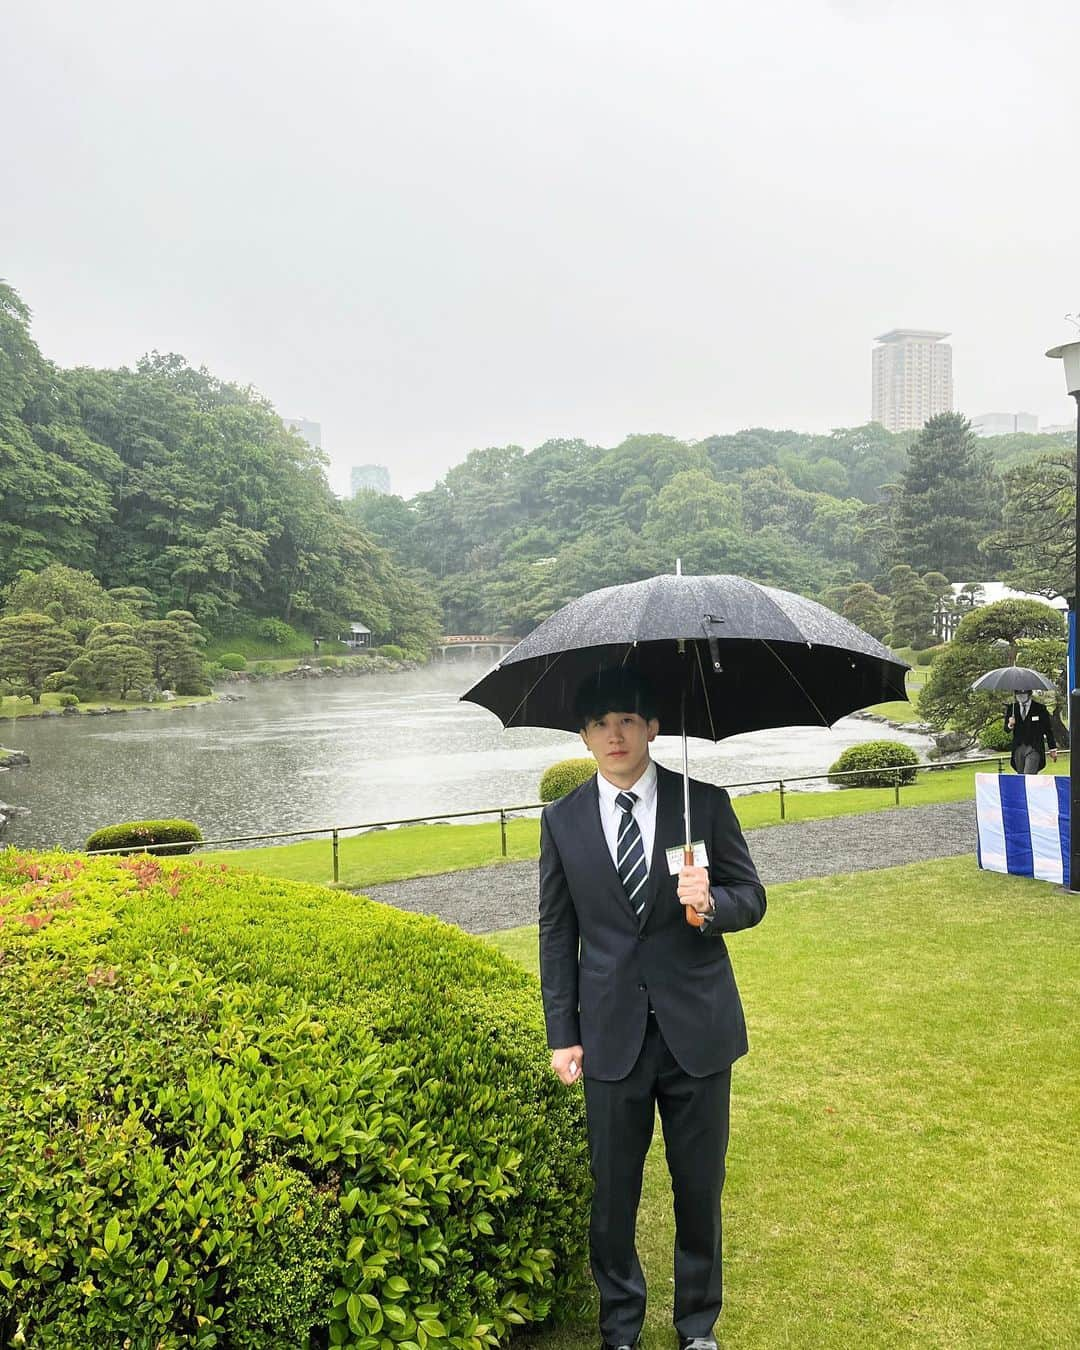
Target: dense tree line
[(167, 479), (876, 524)]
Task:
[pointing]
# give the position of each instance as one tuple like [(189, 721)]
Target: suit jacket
[(601, 966), (1034, 732)]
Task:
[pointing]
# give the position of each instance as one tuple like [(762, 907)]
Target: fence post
[(896, 788), (335, 834), (502, 828), (1000, 769), (781, 782)]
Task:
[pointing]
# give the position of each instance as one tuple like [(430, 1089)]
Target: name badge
[(674, 856)]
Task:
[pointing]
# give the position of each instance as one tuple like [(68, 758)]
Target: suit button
[(642, 988), (641, 937)]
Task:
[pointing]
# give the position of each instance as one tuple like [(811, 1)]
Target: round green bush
[(67, 700), (268, 1115), (881, 755), (329, 662), (564, 776), (391, 651), (181, 835), (276, 631), (232, 661), (994, 737), (928, 655)]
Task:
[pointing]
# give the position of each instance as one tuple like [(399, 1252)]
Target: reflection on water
[(308, 754)]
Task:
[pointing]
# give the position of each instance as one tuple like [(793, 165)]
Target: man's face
[(619, 742)]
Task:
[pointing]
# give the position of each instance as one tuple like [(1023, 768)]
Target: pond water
[(308, 754)]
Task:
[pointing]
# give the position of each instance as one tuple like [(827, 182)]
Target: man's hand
[(1053, 755), (694, 889), (1012, 723), (567, 1063)]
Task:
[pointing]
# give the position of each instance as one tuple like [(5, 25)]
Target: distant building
[(1005, 424), (358, 636), (311, 431), (912, 378), (369, 478), (1059, 429), (970, 595)]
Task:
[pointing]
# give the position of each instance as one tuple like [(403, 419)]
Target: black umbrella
[(723, 654), (1011, 679)]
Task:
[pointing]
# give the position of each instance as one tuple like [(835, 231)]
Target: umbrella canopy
[(1014, 679), (744, 657)]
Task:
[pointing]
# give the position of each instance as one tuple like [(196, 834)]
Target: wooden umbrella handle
[(693, 918)]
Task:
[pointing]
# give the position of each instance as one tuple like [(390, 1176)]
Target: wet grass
[(16, 708), (424, 850), (903, 1170)]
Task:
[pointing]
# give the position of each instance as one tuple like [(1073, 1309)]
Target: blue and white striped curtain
[(1023, 822)]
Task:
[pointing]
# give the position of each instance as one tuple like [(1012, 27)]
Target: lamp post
[(1069, 355)]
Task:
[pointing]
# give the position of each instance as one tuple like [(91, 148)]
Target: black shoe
[(697, 1343), (623, 1345)]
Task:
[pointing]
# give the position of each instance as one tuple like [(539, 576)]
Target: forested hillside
[(168, 479), (874, 523)]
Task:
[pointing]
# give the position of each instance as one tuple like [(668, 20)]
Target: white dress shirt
[(644, 811)]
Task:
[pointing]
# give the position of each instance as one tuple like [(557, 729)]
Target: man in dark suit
[(639, 1004), (1032, 732)]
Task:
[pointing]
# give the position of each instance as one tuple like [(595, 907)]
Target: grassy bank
[(12, 708), (902, 1171), (424, 850), (901, 710)]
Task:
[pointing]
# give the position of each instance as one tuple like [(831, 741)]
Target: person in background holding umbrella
[(639, 1004), (1032, 732)]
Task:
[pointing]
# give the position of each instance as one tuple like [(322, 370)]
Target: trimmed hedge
[(876, 755), (232, 661), (564, 776), (391, 651), (147, 833), (248, 1114)]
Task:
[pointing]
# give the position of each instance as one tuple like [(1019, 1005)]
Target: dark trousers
[(694, 1117)]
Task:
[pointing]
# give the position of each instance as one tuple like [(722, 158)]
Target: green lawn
[(424, 850), (390, 855), (901, 710), (903, 1168), (16, 707)]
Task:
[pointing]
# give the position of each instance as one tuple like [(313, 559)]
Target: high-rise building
[(370, 477), (1004, 424), (912, 378), (311, 431)]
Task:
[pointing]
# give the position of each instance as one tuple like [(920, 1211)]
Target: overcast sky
[(433, 225)]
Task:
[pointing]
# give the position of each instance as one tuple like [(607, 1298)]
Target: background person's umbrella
[(723, 654), (1011, 679)]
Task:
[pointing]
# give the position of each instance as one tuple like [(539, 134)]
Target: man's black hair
[(614, 689)]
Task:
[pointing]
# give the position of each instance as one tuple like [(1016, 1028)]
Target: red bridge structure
[(473, 645)]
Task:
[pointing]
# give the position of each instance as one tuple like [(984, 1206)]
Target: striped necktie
[(630, 852)]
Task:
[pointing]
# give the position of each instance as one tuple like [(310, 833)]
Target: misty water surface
[(307, 754)]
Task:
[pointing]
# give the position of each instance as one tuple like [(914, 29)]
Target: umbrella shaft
[(689, 848)]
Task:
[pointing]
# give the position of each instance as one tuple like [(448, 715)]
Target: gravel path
[(504, 896)]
